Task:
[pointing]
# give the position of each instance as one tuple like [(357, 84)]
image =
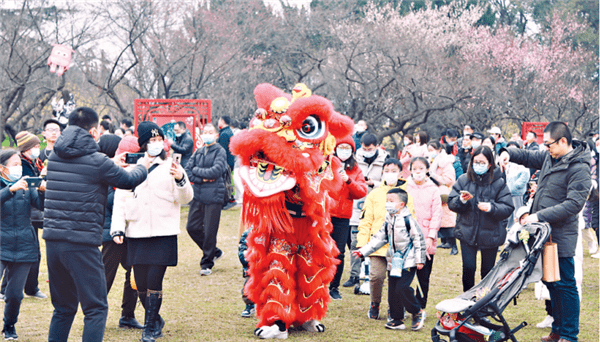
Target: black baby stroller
[(476, 315)]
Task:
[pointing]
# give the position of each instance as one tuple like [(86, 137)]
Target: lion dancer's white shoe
[(313, 326), (272, 331)]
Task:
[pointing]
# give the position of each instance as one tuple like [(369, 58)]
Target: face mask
[(208, 138), (391, 208), (451, 143), (390, 178), (155, 148), (344, 154), (15, 173), (475, 144), (418, 176), (35, 153), (466, 133), (360, 129), (178, 134), (406, 142), (480, 169), (370, 154), (432, 155)]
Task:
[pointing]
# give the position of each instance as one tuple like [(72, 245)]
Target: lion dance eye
[(312, 128)]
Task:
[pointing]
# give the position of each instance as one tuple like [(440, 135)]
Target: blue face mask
[(155, 148), (480, 169), (15, 173), (208, 138)]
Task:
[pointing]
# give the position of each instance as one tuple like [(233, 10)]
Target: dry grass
[(208, 308)]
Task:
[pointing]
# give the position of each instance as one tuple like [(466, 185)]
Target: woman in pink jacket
[(442, 170), (428, 209), (354, 187)]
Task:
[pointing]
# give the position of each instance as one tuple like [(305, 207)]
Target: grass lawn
[(199, 308)]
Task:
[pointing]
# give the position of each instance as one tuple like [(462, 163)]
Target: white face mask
[(391, 208), (390, 178), (419, 177), (369, 154), (35, 153), (432, 155), (155, 148), (343, 154), (451, 143), (406, 142), (475, 144)]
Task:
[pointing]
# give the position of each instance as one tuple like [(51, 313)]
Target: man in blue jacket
[(563, 187), (77, 184)]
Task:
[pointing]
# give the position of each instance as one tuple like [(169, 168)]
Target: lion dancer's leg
[(316, 267), (271, 285)]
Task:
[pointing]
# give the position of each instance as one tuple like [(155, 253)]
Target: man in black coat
[(77, 184), (563, 187), (225, 134), (206, 169), (183, 143)]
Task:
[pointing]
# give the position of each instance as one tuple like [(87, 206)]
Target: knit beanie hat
[(26, 141), (128, 144), (347, 140), (108, 144), (147, 130)]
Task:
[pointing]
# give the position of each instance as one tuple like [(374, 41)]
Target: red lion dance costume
[(288, 170)]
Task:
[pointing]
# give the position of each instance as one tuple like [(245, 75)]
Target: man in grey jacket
[(563, 187)]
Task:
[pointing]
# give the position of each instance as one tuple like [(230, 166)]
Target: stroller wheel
[(357, 289)]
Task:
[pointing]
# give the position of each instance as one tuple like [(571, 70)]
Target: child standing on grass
[(406, 254), (242, 248)]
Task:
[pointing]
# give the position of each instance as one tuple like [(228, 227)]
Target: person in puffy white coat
[(149, 216)]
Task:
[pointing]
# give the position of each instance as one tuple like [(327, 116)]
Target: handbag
[(550, 262)]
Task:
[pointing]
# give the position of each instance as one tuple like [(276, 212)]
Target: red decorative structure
[(537, 127), (165, 112)]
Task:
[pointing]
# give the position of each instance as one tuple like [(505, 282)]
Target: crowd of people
[(392, 213)]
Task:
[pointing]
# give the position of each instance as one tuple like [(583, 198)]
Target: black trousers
[(76, 276), (340, 234), (423, 276), (469, 260), (401, 295), (114, 255), (203, 226), (16, 275)]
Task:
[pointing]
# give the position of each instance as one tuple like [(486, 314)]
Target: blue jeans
[(565, 301)]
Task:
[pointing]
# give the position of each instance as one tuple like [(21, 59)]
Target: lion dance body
[(288, 170)]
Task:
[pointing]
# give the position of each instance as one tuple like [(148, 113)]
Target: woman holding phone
[(19, 246), (482, 201), (149, 216)]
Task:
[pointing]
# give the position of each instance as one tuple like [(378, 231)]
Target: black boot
[(159, 322), (454, 250), (151, 315), (351, 282)]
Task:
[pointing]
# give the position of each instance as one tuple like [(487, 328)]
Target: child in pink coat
[(428, 209)]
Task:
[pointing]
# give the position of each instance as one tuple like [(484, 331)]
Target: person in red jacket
[(354, 188)]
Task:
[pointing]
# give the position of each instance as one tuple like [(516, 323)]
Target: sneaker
[(445, 245), (218, 255), (418, 320), (205, 272), (248, 311), (334, 293), (395, 324), (37, 295), (10, 333), (454, 250), (351, 282), (374, 311), (546, 323)]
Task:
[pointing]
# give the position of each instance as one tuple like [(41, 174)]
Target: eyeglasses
[(480, 163), (53, 130), (550, 144)]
